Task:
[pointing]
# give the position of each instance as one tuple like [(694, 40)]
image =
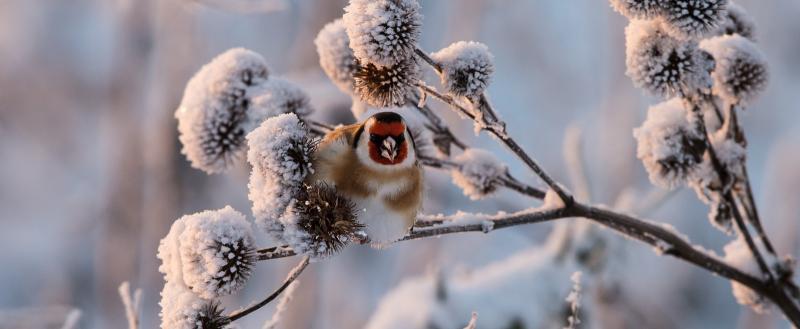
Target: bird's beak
[(389, 148)]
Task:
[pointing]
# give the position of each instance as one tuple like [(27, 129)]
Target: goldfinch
[(374, 164)]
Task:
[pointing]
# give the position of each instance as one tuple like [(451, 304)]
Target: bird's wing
[(332, 150)]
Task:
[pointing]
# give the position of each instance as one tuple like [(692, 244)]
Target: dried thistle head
[(735, 20), (335, 56), (281, 154), (385, 86), (479, 173), (741, 71), (217, 250), (383, 32), (210, 316), (671, 147), (213, 116), (328, 219), (688, 19), (662, 64), (467, 68), (639, 8)]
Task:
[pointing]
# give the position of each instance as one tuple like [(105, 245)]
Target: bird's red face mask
[(387, 142)]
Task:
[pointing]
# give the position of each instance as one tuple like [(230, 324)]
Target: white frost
[(662, 64), (669, 145), (383, 32), (737, 254), (214, 247), (467, 68), (741, 69), (335, 56), (213, 115), (479, 173)]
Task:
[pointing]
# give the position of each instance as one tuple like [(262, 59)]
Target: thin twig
[(509, 142), (507, 181), (289, 279)]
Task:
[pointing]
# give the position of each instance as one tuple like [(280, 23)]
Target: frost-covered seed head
[(693, 18), (741, 71), (180, 309), (670, 147), (735, 20), (383, 32), (335, 56), (213, 116), (329, 219), (731, 155), (738, 255), (278, 96), (217, 252), (662, 64), (467, 68), (386, 86), (638, 8), (281, 153), (720, 215), (479, 173)]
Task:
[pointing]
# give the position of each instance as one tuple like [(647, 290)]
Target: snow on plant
[(735, 20), (738, 254), (335, 56), (639, 8), (375, 43), (574, 301), (216, 252), (279, 96), (741, 69), (226, 99), (384, 86), (310, 218), (467, 68), (280, 152), (181, 309), (383, 33), (213, 115), (709, 154), (670, 146), (693, 18), (662, 64), (478, 173)]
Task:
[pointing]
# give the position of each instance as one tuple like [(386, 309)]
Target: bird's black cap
[(388, 117)]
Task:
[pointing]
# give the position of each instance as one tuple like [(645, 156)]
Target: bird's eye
[(375, 138), (400, 138)]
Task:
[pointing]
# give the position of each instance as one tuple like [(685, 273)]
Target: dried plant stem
[(725, 182), (508, 181), (664, 239), (509, 142), (296, 271)]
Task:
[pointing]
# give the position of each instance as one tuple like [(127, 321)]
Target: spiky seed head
[(328, 218), (335, 56), (641, 9), (479, 173), (735, 20), (662, 64), (689, 19), (210, 316), (279, 96), (670, 146), (214, 114), (385, 86), (281, 154), (467, 68), (383, 32), (741, 72), (181, 309)]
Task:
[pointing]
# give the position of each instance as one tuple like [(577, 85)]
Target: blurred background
[(91, 174)]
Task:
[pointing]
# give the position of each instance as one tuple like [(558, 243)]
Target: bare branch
[(296, 271)]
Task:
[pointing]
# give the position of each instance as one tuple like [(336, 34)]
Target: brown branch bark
[(289, 279)]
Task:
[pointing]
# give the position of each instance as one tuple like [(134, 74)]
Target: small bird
[(375, 165)]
